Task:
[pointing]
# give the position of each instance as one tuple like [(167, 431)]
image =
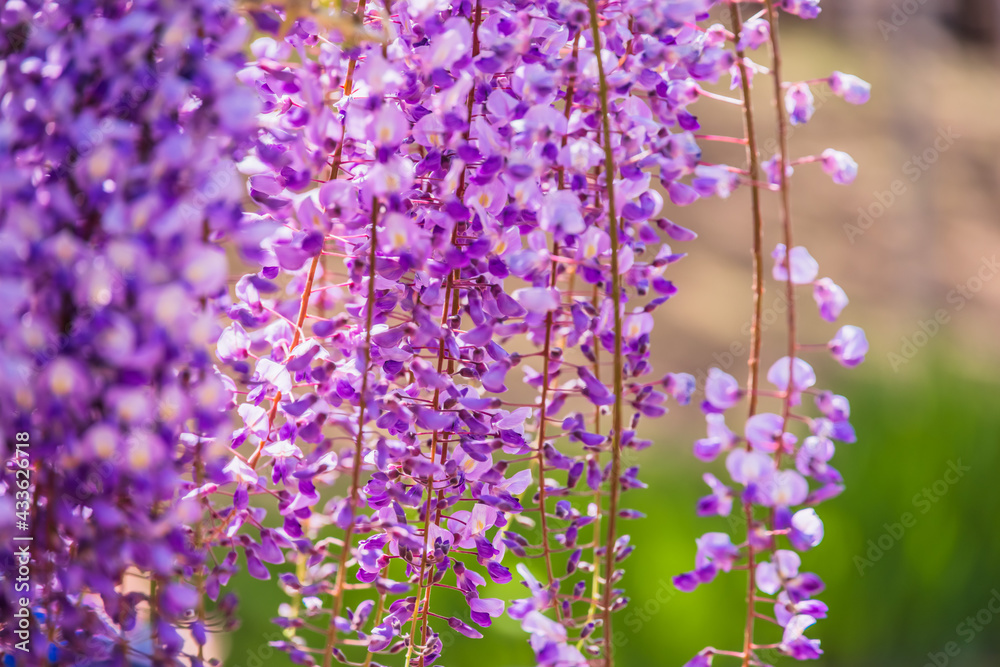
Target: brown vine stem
[(435, 439), (616, 417), (303, 310), (338, 587), (786, 200), (753, 158), (540, 457), (310, 277), (452, 291), (595, 583), (427, 509), (753, 379), (546, 375)]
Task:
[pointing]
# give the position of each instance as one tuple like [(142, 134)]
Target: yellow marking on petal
[(104, 443), (61, 381), (25, 399), (208, 394), (139, 457)]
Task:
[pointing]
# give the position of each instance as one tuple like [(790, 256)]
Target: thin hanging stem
[(753, 158), (427, 505), (452, 291), (753, 380), (546, 368), (786, 201), (595, 584), (540, 448), (619, 388), (338, 587), (310, 277)]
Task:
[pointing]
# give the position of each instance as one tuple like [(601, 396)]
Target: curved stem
[(616, 417), (450, 294)]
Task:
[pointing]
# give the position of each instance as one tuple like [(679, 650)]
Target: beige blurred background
[(923, 216)]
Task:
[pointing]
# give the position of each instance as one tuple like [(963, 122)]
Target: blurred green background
[(904, 601), (887, 608)]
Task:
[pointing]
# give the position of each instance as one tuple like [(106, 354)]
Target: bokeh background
[(914, 242)]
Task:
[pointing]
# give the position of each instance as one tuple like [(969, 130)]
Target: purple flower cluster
[(776, 480), (454, 219), (118, 129), (460, 248)]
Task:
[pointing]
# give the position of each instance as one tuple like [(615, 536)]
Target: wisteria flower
[(803, 267), (849, 346)]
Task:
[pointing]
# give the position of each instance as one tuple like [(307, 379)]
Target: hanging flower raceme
[(460, 251), (118, 127), (778, 472)]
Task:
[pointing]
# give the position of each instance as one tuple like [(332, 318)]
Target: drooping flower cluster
[(454, 219), (460, 242), (118, 125), (770, 469)]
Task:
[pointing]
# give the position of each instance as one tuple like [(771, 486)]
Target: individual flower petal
[(799, 103), (539, 300), (764, 431), (560, 212), (840, 166), (748, 467), (804, 267), (807, 529), (787, 488), (463, 628), (830, 299), (797, 371), (849, 346), (755, 33), (850, 87), (722, 391)]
